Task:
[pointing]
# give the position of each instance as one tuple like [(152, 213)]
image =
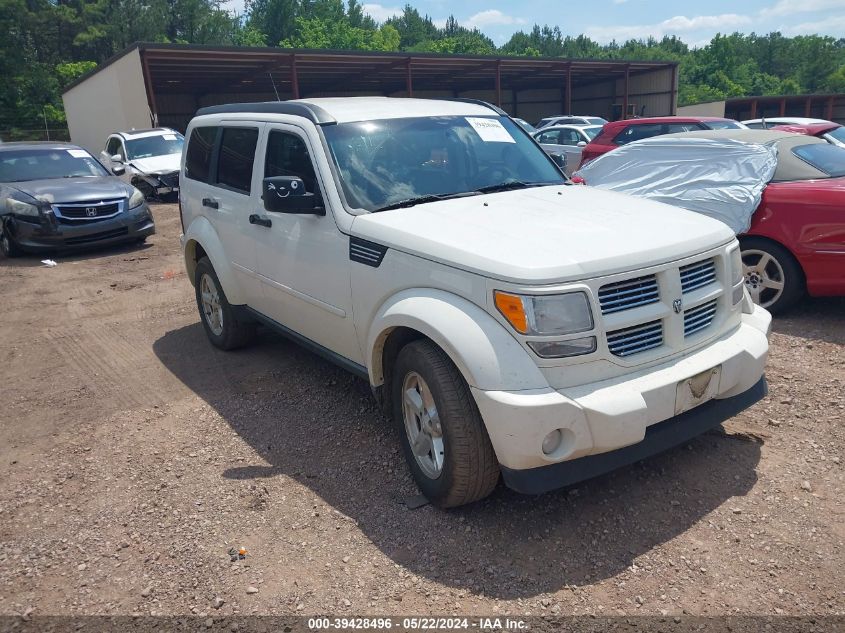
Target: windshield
[(148, 146), (837, 134), (383, 162), (38, 164), (825, 157), (592, 131), (596, 120), (724, 125)]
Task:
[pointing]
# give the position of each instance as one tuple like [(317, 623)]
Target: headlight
[(136, 199), (737, 272), (21, 208), (546, 315)]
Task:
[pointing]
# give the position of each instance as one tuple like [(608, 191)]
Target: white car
[(769, 122), (570, 119), (151, 159), (509, 323), (566, 142)]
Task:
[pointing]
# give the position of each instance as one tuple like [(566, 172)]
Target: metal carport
[(164, 84)]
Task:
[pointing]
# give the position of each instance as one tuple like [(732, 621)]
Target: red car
[(831, 132), (626, 131), (796, 240)]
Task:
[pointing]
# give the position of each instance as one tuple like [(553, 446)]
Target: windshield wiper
[(509, 185), (432, 197)]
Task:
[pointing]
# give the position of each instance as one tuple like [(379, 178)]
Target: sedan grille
[(170, 180), (627, 294), (90, 211), (639, 338), (699, 317), (697, 275)]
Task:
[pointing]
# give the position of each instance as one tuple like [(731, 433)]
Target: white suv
[(509, 322)]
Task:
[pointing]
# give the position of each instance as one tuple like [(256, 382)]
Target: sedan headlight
[(546, 315), (136, 199), (18, 207)]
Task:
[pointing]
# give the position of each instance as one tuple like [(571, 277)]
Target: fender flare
[(487, 355), (201, 233)]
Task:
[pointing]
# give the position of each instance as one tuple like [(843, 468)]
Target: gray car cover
[(721, 178)]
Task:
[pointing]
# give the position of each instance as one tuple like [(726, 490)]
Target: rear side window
[(198, 158), (237, 154), (548, 137), (823, 156), (647, 130)]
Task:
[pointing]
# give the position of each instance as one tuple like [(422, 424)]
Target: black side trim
[(658, 438), (307, 343), (313, 113), (364, 252)]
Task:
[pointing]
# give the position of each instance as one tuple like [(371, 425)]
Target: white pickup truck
[(509, 323)]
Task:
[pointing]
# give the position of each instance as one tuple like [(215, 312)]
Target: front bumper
[(614, 422), (53, 233)]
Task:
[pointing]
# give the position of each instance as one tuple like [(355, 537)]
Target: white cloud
[(491, 17), (790, 7), (672, 26), (832, 26), (379, 12)]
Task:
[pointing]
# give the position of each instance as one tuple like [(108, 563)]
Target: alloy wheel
[(764, 277), (422, 425), (211, 309)]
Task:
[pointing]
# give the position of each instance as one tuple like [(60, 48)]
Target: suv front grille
[(699, 317), (697, 275), (627, 294), (634, 339)]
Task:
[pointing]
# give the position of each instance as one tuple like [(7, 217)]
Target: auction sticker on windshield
[(78, 153), (490, 130)]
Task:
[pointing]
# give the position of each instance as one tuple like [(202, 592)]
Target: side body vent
[(365, 252)]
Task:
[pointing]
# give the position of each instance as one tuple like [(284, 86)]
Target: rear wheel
[(442, 433), (223, 327), (773, 278), (8, 246)]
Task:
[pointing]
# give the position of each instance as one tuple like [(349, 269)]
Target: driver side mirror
[(118, 170), (287, 194), (117, 158), (582, 144)]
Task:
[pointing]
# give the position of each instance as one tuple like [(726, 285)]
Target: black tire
[(8, 246), (782, 267), (470, 470), (233, 332)]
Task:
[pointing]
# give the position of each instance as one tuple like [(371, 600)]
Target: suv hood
[(83, 189), (546, 234), (157, 164)]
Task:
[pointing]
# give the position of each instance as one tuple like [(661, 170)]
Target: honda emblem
[(91, 212)]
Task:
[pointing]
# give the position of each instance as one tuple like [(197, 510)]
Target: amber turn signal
[(513, 310)]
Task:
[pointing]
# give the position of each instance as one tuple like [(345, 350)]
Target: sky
[(605, 20)]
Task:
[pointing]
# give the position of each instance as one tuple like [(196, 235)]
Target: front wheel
[(773, 278), (8, 246), (442, 433), (218, 317)]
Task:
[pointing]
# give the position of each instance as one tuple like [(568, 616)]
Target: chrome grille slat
[(632, 340), (629, 293), (697, 275), (699, 317)]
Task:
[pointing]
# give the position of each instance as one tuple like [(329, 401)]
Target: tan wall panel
[(111, 100)]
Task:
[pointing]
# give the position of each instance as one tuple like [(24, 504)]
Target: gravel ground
[(133, 456)]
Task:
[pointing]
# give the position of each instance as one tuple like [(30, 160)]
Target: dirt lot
[(133, 455)]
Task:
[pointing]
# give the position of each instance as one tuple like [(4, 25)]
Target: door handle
[(211, 203), (258, 219)]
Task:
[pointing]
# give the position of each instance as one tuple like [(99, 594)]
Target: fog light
[(562, 349), (552, 442)]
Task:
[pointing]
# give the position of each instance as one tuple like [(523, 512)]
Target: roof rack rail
[(313, 113)]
